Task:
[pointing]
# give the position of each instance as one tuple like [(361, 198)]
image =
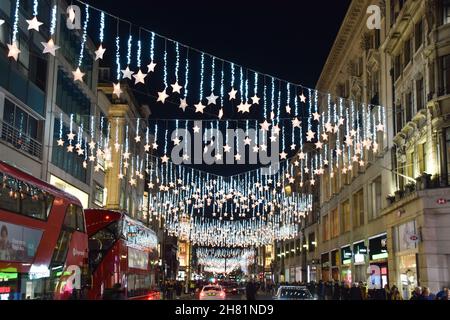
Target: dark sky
[(287, 39)]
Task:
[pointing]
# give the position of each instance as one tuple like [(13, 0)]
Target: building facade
[(387, 220)]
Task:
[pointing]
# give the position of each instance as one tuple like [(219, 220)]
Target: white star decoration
[(127, 73), (139, 77), (310, 135), (117, 90), (288, 109), (13, 51), (60, 142), (199, 107), (78, 75), (255, 99), (165, 159), (283, 155), (50, 47), (196, 129), (244, 107), (380, 127), (212, 99), (302, 98), (232, 94), (265, 125), (226, 148), (151, 67), (296, 123), (99, 53), (34, 24), (220, 113), (183, 104), (316, 116), (162, 96), (176, 88)]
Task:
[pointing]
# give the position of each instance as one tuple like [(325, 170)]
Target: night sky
[(286, 39)]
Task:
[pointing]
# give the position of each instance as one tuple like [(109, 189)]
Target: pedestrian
[(426, 294), (416, 293), (178, 289), (329, 291), (321, 290), (250, 290), (444, 294), (395, 294), (337, 291), (387, 292), (363, 289), (355, 292)]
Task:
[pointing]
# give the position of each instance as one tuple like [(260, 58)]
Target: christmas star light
[(117, 90), (78, 75), (139, 77), (162, 96), (50, 47), (212, 99), (183, 104), (232, 94), (13, 51), (34, 24), (199, 107), (151, 67), (176, 87), (99, 53), (127, 73)]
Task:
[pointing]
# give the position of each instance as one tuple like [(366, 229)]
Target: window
[(61, 249), (419, 34), (358, 209), (445, 76), (311, 242), (346, 221), (421, 153), (101, 242), (334, 223), (326, 186), (21, 129), (74, 218), (325, 228), (407, 52), (410, 164), (405, 236), (99, 197), (398, 118), (23, 198), (447, 142), (446, 11), (397, 67), (420, 94), (408, 107), (375, 198)]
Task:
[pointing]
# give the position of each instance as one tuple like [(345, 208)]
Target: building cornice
[(355, 14)]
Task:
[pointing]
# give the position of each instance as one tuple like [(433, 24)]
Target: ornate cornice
[(355, 14)]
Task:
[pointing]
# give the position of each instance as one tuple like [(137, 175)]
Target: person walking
[(387, 292), (395, 294), (416, 293), (355, 293), (321, 290), (426, 294), (444, 294), (337, 291), (250, 290)]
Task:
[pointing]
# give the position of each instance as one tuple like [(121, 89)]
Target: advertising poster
[(18, 243)]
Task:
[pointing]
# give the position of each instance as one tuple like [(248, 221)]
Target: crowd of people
[(334, 290)]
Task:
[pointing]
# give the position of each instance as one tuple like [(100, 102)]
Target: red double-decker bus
[(122, 254), (43, 240)]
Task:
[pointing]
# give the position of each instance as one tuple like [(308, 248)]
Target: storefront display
[(335, 263), (325, 261), (408, 274), (378, 268)]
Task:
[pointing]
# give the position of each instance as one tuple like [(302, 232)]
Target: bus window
[(19, 197), (74, 218), (62, 246), (9, 200), (101, 242)]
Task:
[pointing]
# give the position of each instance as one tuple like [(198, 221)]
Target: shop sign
[(346, 255), (378, 248)]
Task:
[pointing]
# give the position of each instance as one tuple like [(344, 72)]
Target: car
[(293, 293), (212, 292), (232, 289)]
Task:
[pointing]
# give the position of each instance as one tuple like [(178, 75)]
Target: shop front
[(378, 267), (311, 270), (335, 262), (325, 263), (359, 261), (346, 264), (406, 250)]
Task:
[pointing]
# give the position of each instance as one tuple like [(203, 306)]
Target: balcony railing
[(20, 141)]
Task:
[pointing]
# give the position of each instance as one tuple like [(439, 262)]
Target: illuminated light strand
[(279, 102), (177, 63), (246, 85), (166, 140), (130, 39), (61, 126), (272, 99), (35, 8), (165, 65), (202, 71), (118, 75), (186, 74), (152, 46), (139, 51), (84, 38), (213, 71), (16, 22), (310, 108), (222, 78), (241, 84), (102, 27), (53, 21)]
